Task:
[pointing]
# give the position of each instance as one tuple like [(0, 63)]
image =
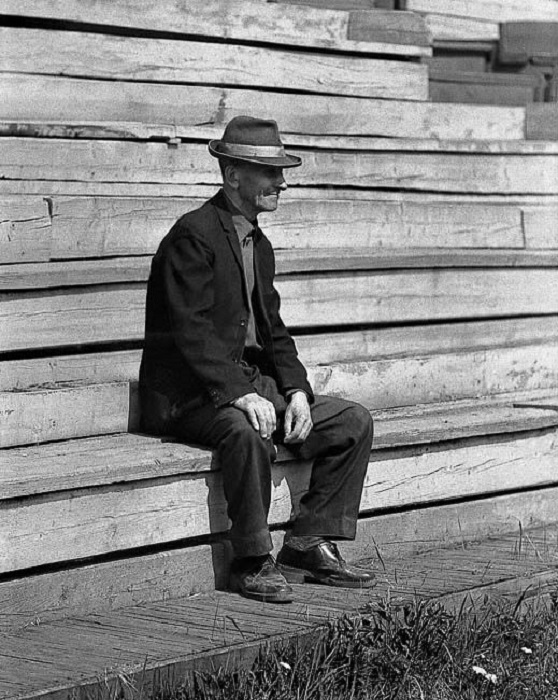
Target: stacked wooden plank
[(417, 257)]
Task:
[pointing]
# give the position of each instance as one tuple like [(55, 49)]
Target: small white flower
[(491, 677), (284, 664), (526, 650)]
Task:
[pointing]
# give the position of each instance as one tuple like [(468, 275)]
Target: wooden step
[(93, 314), (382, 33), (83, 227), (521, 42), (71, 411), (189, 164), (128, 457), (486, 88), (143, 110), (122, 270), (315, 349), (91, 521), (109, 57), (488, 10), (106, 586)]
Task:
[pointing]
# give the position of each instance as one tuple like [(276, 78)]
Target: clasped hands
[(261, 414)]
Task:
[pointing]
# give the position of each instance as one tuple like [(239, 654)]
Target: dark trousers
[(339, 444)]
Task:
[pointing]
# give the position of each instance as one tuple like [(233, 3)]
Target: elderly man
[(220, 369)]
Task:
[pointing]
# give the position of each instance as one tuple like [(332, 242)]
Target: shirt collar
[(242, 226)]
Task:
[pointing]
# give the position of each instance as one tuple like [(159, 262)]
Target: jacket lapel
[(225, 217)]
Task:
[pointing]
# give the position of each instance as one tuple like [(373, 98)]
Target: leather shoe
[(322, 564), (259, 579)]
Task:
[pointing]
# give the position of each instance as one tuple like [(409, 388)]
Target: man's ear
[(231, 175)]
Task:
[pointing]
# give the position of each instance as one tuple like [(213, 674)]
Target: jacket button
[(243, 323)]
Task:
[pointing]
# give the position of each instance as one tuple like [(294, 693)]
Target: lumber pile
[(416, 252)]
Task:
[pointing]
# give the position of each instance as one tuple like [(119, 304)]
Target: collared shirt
[(245, 231)]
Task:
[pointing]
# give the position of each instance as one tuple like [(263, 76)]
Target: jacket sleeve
[(188, 287)]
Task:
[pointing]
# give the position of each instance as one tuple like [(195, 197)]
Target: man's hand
[(260, 412), (298, 419)]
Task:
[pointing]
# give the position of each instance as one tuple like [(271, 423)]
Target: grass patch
[(424, 651)]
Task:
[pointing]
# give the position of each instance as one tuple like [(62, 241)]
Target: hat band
[(247, 151)]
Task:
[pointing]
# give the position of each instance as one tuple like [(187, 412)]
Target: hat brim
[(287, 161)]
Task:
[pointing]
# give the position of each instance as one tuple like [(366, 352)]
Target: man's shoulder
[(200, 218)]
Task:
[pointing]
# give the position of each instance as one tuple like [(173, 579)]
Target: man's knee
[(358, 422), (241, 435)]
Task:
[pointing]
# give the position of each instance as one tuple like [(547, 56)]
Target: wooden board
[(190, 164), (25, 231), (490, 10), (125, 457), (389, 27), (61, 413), (522, 41), (159, 109), (137, 59), (542, 121), (111, 519), (187, 570), (245, 21), (54, 275), (541, 227), (474, 93), (315, 349), (93, 314), (451, 28), (95, 227)]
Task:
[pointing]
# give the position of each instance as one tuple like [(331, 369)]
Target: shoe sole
[(294, 575), (280, 598)]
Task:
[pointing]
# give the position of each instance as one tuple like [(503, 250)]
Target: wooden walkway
[(154, 645)]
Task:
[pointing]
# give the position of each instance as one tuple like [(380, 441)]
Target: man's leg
[(339, 443), (245, 462)]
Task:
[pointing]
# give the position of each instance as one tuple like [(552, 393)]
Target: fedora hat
[(253, 141)]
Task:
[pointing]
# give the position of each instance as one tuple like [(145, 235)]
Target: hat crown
[(252, 132)]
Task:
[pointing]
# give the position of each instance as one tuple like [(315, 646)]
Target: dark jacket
[(197, 313)]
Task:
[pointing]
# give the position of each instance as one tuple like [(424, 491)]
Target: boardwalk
[(156, 644)]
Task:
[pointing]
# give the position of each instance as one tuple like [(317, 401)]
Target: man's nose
[(281, 184)]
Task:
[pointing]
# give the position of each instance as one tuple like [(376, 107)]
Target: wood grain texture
[(159, 109), (315, 349), (189, 164), (490, 10), (62, 413), (163, 510), (542, 121), (474, 93), (452, 28), (146, 60), (93, 314), (95, 227), (125, 457), (523, 41), (246, 21), (25, 229), (121, 270), (541, 227)]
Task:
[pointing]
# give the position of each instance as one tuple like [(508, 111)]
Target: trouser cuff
[(256, 544)]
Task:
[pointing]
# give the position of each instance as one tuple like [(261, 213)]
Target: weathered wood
[(315, 349), (62, 413), (129, 58), (190, 164), (542, 121), (455, 62), (522, 41), (451, 28), (159, 109), (25, 230), (111, 519), (475, 93), (84, 315), (490, 10), (29, 276), (388, 27), (246, 21), (126, 457), (94, 227), (40, 416), (541, 227)]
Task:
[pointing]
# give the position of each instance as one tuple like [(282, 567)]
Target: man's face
[(259, 187)]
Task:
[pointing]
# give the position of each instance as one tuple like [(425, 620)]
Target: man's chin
[(269, 203)]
